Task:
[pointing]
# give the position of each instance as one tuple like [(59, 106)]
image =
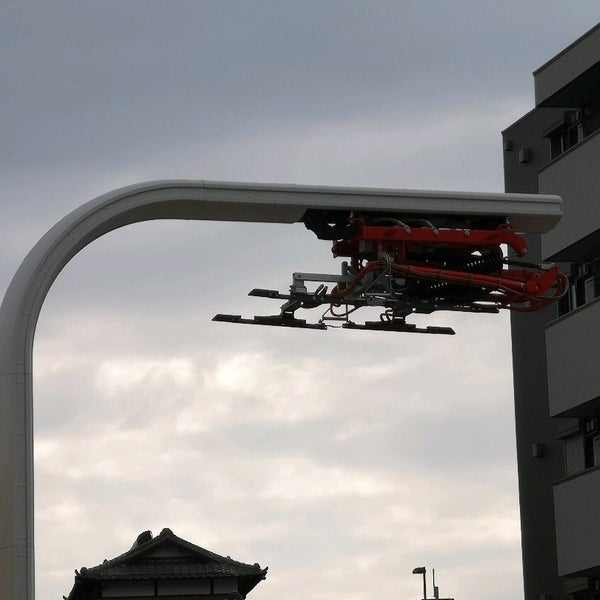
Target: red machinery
[(414, 266)]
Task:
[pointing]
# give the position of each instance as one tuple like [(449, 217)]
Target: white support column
[(166, 200)]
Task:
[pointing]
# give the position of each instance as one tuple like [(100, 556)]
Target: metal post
[(198, 200)]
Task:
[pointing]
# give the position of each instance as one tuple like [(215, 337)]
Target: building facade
[(555, 149), (166, 567)]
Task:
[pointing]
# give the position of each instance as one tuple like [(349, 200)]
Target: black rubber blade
[(268, 294), (272, 320), (398, 326)]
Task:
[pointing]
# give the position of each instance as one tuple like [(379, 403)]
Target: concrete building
[(169, 568), (555, 149)]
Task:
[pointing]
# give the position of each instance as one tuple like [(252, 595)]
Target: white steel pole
[(167, 200)]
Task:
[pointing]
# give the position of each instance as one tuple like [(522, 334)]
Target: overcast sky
[(340, 459)]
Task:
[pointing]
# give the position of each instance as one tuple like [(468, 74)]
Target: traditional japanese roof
[(167, 556)]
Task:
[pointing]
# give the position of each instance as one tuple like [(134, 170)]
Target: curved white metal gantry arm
[(167, 200)]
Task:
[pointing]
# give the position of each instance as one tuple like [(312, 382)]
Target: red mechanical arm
[(426, 253)]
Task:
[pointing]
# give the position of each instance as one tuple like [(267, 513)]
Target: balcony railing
[(573, 354), (575, 176), (577, 523)]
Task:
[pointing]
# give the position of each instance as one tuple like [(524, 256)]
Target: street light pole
[(422, 571)]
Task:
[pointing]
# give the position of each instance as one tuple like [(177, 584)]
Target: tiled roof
[(143, 561), (138, 562), (168, 568)]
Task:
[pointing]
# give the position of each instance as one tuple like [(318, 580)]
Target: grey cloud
[(86, 74)]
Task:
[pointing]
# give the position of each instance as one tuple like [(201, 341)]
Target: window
[(574, 454), (567, 134), (582, 450), (576, 125), (584, 286)]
